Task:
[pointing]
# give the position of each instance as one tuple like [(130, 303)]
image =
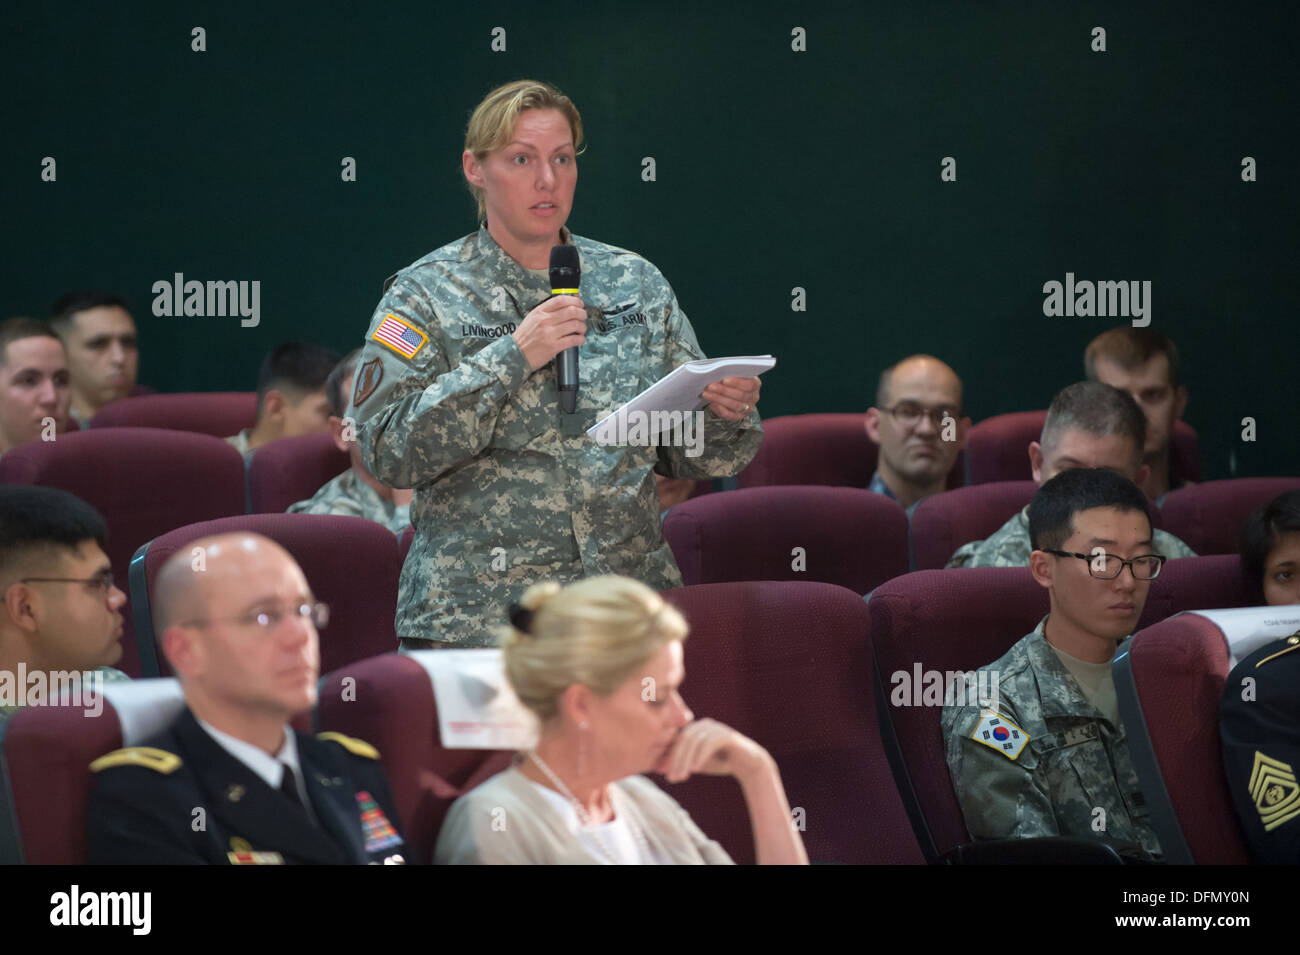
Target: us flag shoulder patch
[(401, 336)]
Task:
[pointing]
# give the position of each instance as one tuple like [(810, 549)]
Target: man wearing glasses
[(61, 620), (919, 426), (1048, 756), (231, 782)]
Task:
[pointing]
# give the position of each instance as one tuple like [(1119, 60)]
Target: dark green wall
[(775, 169)]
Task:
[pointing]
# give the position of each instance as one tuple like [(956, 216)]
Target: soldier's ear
[(273, 403), (1036, 458), (336, 432), (179, 647), (1041, 566), (472, 169)]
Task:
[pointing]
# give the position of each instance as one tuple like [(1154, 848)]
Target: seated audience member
[(290, 396), (33, 383), (356, 492), (62, 613), (103, 349), (1259, 714), (581, 659), (1046, 754), (1089, 425), (240, 634), (919, 426), (1144, 363)]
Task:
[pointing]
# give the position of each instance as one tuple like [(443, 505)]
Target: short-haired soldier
[(1048, 756)]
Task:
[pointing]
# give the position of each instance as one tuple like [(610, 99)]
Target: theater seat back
[(826, 449), (219, 413), (389, 701), (845, 536), (46, 752), (788, 664), (1169, 682)]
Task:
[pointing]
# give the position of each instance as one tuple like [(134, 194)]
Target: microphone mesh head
[(565, 270)]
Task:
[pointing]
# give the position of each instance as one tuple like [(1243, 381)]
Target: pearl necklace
[(584, 817)]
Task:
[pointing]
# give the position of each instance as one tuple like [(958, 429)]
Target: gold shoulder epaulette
[(159, 760), (1293, 643), (357, 747)]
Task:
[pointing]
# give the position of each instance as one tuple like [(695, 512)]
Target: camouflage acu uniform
[(349, 496), (511, 491), (1075, 762), (1009, 546)]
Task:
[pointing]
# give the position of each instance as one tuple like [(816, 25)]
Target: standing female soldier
[(456, 394)]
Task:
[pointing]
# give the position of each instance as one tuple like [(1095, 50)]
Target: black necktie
[(289, 786)]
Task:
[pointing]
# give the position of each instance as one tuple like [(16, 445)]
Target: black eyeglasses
[(908, 414), (1109, 566), (100, 583), (268, 620)]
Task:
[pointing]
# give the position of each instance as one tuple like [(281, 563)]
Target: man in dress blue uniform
[(230, 781)]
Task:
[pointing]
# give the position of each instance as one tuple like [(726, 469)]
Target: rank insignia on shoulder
[(159, 760), (357, 747), (997, 732), (400, 336), (1274, 790)]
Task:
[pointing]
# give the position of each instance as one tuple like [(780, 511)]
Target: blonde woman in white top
[(600, 664)]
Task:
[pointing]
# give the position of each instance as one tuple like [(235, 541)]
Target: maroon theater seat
[(999, 448), (943, 522), (404, 542), (219, 413), (145, 481), (47, 752), (849, 536), (1209, 517), (45, 757), (350, 563), (789, 665), (950, 620), (1169, 682), (829, 449), (290, 470), (391, 705)]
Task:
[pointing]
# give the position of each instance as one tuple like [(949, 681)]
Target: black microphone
[(565, 274)]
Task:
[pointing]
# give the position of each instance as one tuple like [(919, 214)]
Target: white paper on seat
[(680, 389), (144, 708), (477, 709), (1246, 629)]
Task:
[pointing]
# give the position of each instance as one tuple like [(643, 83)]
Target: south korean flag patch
[(998, 732)]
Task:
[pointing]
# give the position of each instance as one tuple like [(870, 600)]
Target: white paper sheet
[(680, 389)]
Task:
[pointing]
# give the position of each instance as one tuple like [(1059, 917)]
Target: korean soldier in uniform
[(230, 781), (1048, 756)]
